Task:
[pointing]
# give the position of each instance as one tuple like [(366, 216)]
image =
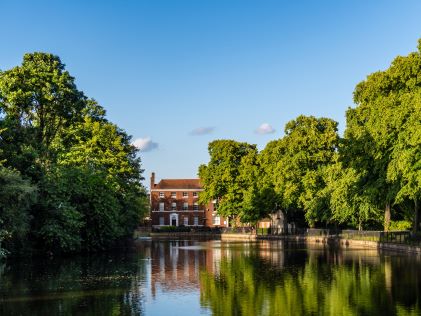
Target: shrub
[(400, 225)]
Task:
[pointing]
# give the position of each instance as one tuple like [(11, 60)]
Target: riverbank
[(329, 240), (347, 243), (178, 235)]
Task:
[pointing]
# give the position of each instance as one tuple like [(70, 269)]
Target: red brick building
[(174, 202)]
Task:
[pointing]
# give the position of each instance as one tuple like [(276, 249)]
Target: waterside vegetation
[(368, 179), (69, 178)]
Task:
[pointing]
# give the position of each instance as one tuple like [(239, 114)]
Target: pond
[(188, 277)]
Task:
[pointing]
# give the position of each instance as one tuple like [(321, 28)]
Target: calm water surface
[(215, 278)]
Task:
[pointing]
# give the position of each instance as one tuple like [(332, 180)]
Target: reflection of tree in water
[(94, 285), (247, 284)]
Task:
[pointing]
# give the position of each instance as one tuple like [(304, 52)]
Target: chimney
[(152, 180)]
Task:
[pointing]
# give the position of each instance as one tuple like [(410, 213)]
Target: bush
[(173, 229), (263, 231), (400, 225)]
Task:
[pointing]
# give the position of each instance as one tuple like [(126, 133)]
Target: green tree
[(224, 180), (258, 195), (405, 164), (347, 204), (16, 197), (385, 105), (300, 160), (77, 214), (41, 94), (40, 100), (87, 172)]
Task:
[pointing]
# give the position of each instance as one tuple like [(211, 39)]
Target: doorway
[(174, 219)]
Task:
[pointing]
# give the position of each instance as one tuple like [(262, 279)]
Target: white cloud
[(265, 128), (145, 144), (202, 131)]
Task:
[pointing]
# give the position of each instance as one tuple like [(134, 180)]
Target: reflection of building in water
[(273, 252), (175, 266)]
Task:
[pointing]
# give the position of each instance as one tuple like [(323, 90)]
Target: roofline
[(176, 190), (182, 179)]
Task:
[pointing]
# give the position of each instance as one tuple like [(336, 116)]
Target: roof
[(179, 184)]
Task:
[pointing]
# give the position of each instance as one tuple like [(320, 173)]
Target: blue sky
[(179, 74)]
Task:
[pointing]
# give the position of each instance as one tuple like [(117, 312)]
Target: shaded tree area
[(71, 178), (369, 178)]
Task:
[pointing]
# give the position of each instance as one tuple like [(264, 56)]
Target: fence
[(401, 237), (237, 230)]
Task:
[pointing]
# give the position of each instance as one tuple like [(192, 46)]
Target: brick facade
[(174, 202)]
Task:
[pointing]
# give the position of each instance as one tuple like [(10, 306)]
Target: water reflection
[(215, 278)]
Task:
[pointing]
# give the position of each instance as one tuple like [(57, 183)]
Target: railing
[(400, 237), (380, 236), (237, 230)]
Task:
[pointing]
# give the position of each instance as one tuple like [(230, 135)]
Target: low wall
[(353, 243), (238, 236), (333, 240), (349, 243), (169, 235)]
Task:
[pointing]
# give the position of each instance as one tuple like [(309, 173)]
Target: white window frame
[(196, 221), (185, 206), (186, 221), (161, 206), (216, 220), (173, 206), (185, 195), (196, 206), (161, 195), (195, 194), (161, 221), (173, 195)]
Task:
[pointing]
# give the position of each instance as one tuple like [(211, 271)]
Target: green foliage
[(229, 178), (382, 134), (87, 172), (16, 197), (296, 166), (248, 283), (400, 225), (174, 229), (312, 173)]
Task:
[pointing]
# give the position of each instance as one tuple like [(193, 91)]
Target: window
[(196, 220), (185, 206), (161, 194), (185, 194), (173, 195), (196, 206), (195, 194), (186, 221), (173, 206), (216, 220), (161, 220), (161, 206)]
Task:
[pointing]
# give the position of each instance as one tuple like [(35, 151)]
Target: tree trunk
[(416, 216), (387, 217)]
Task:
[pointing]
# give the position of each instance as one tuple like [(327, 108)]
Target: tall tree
[(86, 170), (405, 165), (16, 197), (374, 127), (223, 179), (39, 99), (307, 149)]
